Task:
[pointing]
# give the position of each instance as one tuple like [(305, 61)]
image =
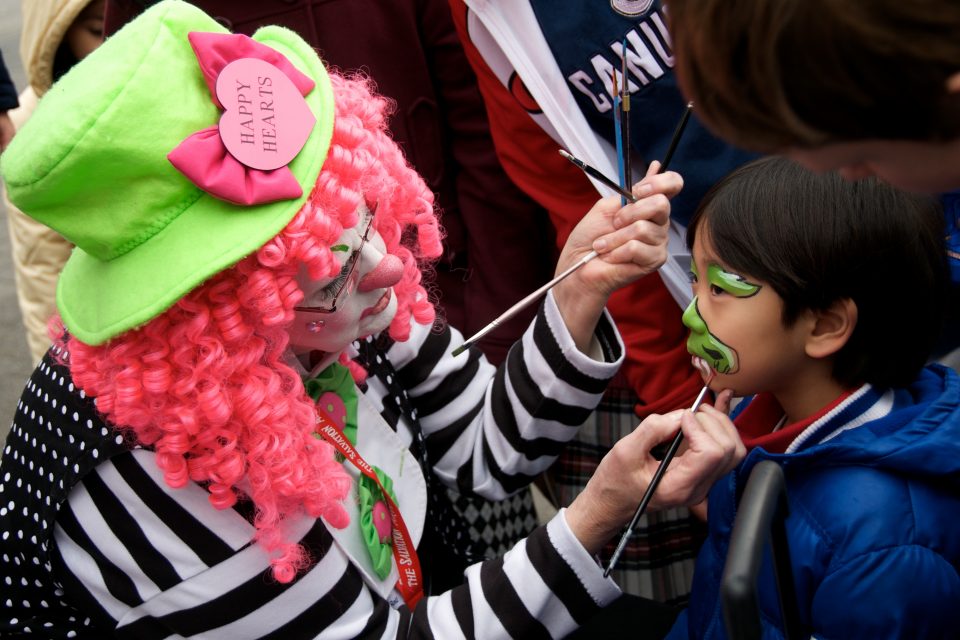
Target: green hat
[(92, 164)]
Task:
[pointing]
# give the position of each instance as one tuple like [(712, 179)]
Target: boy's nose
[(691, 318), (386, 274)]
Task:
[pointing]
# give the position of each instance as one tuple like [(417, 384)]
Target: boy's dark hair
[(817, 239), (801, 73)]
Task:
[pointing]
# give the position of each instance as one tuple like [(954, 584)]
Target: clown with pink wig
[(249, 415)]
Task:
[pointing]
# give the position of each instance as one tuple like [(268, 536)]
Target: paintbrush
[(625, 116), (512, 311), (618, 138), (675, 140), (661, 468), (593, 173)]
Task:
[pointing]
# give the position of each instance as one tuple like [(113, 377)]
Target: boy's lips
[(703, 367), (379, 306)]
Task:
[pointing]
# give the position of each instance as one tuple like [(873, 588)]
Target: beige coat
[(38, 252)]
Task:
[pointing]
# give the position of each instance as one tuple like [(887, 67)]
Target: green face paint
[(704, 344), (732, 283)]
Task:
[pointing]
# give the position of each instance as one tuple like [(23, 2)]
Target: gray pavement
[(15, 361)]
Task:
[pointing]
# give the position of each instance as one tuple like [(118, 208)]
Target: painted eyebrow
[(367, 219), (732, 283)]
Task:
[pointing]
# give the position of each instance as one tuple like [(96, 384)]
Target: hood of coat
[(45, 22)]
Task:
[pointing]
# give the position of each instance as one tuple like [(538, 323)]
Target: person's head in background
[(56, 35), (866, 88), (808, 285), (86, 32)]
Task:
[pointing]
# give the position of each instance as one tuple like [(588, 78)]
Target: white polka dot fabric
[(55, 439)]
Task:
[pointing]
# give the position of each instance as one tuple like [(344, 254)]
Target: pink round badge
[(265, 121), (334, 407), (382, 522)]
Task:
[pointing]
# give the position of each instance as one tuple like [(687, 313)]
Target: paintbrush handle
[(593, 173), (675, 140), (652, 487), (618, 136), (523, 304)]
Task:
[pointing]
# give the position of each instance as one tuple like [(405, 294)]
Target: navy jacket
[(8, 92), (874, 525)]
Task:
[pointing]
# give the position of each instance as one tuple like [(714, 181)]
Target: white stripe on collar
[(880, 408)]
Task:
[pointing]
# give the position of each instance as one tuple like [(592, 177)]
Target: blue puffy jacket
[(874, 524)]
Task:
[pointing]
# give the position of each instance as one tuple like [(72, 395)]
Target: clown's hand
[(631, 242), (608, 502)]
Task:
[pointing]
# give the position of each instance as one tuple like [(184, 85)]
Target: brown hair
[(770, 74)]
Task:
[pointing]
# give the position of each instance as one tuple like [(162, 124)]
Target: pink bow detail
[(265, 123)]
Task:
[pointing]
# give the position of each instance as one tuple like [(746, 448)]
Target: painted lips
[(380, 306), (701, 365)]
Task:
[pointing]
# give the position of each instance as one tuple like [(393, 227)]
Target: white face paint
[(365, 304)]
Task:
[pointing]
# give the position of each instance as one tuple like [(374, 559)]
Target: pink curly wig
[(205, 385)]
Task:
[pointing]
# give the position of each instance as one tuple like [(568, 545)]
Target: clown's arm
[(492, 431), (148, 561)]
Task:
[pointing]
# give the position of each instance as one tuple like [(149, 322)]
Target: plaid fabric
[(658, 561)]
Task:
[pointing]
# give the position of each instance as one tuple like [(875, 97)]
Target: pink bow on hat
[(265, 122)]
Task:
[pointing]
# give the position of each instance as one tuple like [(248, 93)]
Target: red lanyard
[(410, 583)]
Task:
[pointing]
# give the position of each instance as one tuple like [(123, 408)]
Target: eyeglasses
[(336, 288)]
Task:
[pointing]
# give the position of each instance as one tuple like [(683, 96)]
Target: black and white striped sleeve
[(491, 431), (147, 561)]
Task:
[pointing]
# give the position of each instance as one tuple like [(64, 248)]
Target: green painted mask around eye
[(732, 283)]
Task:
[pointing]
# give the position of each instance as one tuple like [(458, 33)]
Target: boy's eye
[(717, 290)]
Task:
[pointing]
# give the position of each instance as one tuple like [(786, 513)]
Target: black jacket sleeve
[(8, 92)]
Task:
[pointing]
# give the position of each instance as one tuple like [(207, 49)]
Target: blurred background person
[(55, 34), (8, 101)]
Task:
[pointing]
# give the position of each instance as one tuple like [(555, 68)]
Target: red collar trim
[(762, 415)]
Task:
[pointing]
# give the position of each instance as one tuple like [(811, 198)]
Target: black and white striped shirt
[(132, 557)]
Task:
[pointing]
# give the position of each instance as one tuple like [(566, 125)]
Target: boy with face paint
[(821, 299)]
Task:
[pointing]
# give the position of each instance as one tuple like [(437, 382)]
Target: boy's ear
[(832, 328)]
